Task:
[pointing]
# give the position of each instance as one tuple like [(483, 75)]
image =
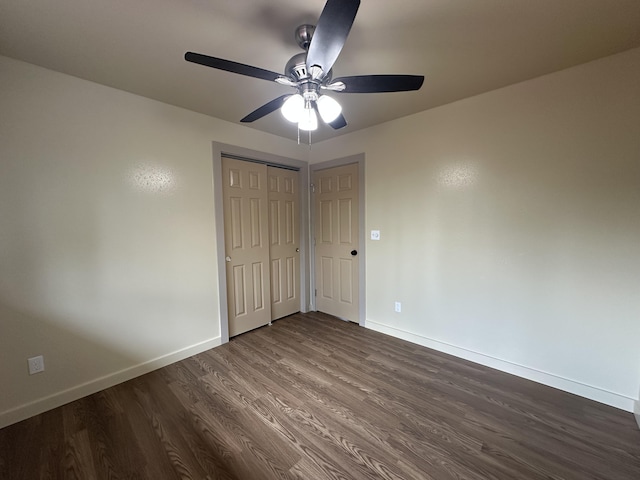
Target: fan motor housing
[(296, 69)]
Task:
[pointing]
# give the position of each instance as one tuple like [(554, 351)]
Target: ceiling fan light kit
[(310, 72), (292, 108), (329, 108), (308, 120)]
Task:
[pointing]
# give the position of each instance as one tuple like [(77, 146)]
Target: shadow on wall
[(74, 363), (104, 279)]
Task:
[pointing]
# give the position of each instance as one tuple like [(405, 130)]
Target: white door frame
[(358, 159), (233, 151)]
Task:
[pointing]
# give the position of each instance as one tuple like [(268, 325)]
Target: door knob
[(354, 252), (297, 249), (227, 258)]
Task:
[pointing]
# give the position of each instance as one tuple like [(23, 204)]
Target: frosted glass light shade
[(293, 107), (308, 120), (329, 108)]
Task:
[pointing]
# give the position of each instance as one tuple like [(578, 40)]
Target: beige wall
[(510, 227), (107, 239)]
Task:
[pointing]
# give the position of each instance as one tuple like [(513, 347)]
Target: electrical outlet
[(36, 364), (398, 307), (375, 234)]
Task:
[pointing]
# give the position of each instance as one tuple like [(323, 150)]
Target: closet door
[(284, 244), (246, 224)]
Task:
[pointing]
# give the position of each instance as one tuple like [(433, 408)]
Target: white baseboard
[(58, 399), (593, 393)]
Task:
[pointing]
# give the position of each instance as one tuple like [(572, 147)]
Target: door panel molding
[(338, 241), (285, 241), (240, 153), (247, 260), (328, 186)]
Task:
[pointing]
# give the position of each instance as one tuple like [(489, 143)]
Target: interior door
[(336, 241), (284, 235), (247, 244)]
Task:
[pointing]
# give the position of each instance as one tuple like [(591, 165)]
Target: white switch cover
[(375, 234), (398, 307)]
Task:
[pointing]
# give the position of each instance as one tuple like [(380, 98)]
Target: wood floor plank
[(365, 449), (312, 397)]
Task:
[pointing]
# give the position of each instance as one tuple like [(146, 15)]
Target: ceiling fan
[(310, 72)]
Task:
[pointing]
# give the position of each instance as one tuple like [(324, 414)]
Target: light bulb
[(329, 108), (293, 107), (308, 120)]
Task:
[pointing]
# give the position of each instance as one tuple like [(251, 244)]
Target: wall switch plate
[(36, 364), (398, 307), (375, 234)]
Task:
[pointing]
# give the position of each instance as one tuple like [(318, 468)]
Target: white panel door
[(284, 241), (246, 244), (336, 240)]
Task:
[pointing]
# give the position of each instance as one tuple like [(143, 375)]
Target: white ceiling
[(462, 47)]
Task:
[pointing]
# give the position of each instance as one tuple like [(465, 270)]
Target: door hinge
[(313, 188), (316, 294)]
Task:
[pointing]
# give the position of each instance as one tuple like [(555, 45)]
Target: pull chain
[(299, 137)]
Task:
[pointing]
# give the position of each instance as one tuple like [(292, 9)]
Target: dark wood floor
[(313, 397)]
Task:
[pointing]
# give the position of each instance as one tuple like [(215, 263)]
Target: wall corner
[(636, 411)]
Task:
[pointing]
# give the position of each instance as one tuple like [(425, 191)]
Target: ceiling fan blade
[(339, 122), (265, 109), (233, 67), (330, 35), (380, 83)]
